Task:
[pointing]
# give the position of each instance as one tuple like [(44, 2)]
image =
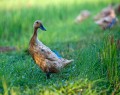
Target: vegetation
[(96, 69)]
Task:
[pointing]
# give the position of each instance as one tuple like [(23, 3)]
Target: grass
[(81, 42), (110, 59)]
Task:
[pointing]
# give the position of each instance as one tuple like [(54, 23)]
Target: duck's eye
[(37, 22)]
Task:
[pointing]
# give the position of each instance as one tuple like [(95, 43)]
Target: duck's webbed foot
[(48, 75)]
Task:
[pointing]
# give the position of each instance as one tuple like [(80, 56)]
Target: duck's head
[(38, 24)]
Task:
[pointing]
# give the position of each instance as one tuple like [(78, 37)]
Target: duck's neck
[(34, 37), (35, 32)]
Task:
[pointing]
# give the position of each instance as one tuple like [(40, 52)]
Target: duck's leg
[(48, 75)]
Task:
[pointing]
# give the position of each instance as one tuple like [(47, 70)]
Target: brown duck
[(46, 59), (106, 18)]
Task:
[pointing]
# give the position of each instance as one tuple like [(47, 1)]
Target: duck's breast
[(38, 57)]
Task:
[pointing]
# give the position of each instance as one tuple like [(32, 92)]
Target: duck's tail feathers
[(66, 62)]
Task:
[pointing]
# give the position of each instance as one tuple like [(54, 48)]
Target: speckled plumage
[(46, 59)]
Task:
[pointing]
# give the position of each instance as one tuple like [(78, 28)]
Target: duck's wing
[(49, 54), (52, 56), (46, 51)]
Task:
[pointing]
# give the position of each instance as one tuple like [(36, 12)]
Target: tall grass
[(109, 60)]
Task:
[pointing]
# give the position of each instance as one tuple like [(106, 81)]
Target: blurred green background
[(17, 17), (83, 42)]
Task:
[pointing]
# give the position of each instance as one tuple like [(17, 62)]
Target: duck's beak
[(42, 28)]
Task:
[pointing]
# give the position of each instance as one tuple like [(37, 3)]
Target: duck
[(84, 14), (49, 61), (106, 19)]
